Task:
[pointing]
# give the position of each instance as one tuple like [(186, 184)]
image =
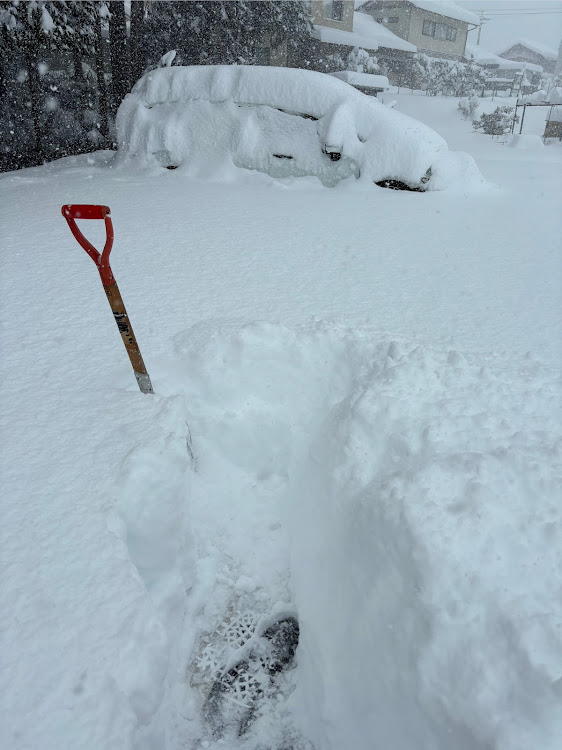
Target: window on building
[(429, 28), (388, 19), (334, 10), (439, 31)]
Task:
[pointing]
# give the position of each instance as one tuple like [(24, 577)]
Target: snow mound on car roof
[(189, 114)]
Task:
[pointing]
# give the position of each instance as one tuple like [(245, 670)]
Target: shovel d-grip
[(73, 212)]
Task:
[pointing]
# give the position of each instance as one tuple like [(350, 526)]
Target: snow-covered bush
[(360, 61), (497, 122), (468, 106)]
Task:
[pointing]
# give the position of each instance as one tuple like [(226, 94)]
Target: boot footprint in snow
[(234, 698)]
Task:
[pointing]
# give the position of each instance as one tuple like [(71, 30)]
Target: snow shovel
[(73, 212)]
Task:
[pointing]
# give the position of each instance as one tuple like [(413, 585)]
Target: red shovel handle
[(73, 212)]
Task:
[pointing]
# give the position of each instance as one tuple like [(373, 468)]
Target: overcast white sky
[(535, 20)]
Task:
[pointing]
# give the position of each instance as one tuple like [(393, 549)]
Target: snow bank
[(98, 596), (424, 508), (201, 115)]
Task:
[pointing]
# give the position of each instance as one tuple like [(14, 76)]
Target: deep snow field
[(371, 380)]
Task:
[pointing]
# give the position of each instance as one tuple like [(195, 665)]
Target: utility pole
[(483, 20), (558, 69)]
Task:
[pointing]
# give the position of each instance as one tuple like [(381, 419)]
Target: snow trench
[(398, 500)]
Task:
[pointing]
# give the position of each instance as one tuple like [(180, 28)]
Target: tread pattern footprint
[(235, 697)]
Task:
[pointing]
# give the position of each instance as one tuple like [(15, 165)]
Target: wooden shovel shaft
[(126, 330)]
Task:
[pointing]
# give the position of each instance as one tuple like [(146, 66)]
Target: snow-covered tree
[(52, 60), (84, 94), (468, 106), (28, 33), (282, 22), (235, 31), (119, 52), (451, 77), (497, 122), (361, 61), (51, 105)]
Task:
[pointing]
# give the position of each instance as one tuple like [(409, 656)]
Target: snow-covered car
[(285, 122)]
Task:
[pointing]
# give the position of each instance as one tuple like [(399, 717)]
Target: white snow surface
[(196, 116), (371, 381), (362, 79), (367, 33)]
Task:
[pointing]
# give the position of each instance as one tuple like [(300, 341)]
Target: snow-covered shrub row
[(433, 75), (282, 121), (554, 96)]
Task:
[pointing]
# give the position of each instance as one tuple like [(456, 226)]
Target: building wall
[(393, 10), (431, 44), (409, 26), (320, 14)]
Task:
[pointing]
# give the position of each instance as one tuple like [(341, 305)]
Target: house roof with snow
[(367, 33), (539, 49), (365, 80), (441, 7), (446, 8), (485, 57)]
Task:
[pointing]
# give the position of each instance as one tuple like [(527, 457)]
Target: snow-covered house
[(437, 27), (531, 52), (356, 30), (522, 77)]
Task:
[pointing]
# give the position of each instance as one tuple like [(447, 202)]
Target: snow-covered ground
[(371, 381)]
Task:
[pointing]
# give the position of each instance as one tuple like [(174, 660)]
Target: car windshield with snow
[(283, 122)]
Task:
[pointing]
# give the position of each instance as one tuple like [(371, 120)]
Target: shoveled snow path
[(418, 490)]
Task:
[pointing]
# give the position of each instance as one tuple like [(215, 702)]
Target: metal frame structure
[(525, 105)]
